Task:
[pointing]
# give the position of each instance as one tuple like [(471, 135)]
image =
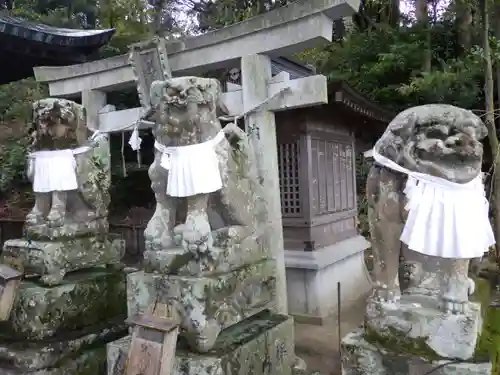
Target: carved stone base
[(53, 259), (44, 232), (415, 319), (359, 357), (47, 358), (223, 258), (263, 344), (206, 305), (83, 299)]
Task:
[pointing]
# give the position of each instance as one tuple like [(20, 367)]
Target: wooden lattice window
[(288, 158)]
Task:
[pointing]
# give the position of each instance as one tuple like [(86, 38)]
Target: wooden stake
[(9, 284), (154, 341)]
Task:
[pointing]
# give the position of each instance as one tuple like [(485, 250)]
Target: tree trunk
[(422, 15), (464, 25), (497, 35), (490, 124)]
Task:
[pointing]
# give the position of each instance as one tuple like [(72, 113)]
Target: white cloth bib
[(192, 169), (53, 171), (445, 219)]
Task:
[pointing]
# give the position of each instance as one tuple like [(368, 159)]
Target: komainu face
[(58, 124), (436, 139), (186, 107)]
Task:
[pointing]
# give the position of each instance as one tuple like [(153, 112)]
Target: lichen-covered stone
[(419, 367), (234, 217), (206, 305), (426, 139), (417, 325), (82, 300), (30, 356), (488, 344), (222, 258), (53, 259), (359, 357), (261, 345), (60, 124), (89, 362)]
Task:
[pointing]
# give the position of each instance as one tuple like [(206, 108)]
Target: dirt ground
[(318, 346)]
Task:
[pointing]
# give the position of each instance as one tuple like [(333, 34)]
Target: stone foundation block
[(52, 260), (206, 305), (83, 299), (359, 357), (415, 321), (263, 344)]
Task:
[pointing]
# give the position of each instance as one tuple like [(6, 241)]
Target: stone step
[(90, 361), (84, 298), (38, 357), (359, 357)]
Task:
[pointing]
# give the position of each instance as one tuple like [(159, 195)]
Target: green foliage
[(13, 161), (15, 116), (214, 14), (16, 99), (362, 170), (385, 64)]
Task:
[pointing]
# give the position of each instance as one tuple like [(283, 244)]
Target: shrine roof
[(39, 32), (25, 45), (341, 93)]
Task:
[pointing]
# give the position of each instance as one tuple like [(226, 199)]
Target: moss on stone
[(488, 343), (399, 342), (84, 298)]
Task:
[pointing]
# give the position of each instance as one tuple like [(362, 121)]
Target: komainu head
[(436, 139), (58, 124)]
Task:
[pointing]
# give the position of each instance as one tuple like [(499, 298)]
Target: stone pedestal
[(262, 344), (227, 327), (63, 329), (413, 337), (360, 357), (218, 301), (416, 320)]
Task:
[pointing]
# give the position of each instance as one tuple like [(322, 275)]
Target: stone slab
[(224, 257), (416, 321), (359, 357), (89, 362), (83, 299), (207, 305), (28, 357), (53, 259), (263, 344), (44, 232)]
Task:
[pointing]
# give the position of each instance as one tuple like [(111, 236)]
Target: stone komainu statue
[(202, 175), (70, 176), (439, 141)]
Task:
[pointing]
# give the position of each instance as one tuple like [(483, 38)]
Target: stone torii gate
[(252, 43)]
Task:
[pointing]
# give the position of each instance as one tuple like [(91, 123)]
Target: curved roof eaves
[(42, 33)]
